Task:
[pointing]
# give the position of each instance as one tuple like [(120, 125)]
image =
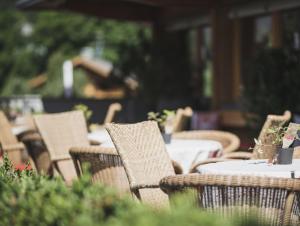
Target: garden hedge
[(28, 199)]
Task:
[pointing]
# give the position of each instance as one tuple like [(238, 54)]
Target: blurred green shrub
[(85, 109), (32, 43), (29, 199)]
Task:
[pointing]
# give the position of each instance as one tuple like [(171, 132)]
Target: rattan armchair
[(38, 152), (181, 118), (105, 166), (9, 142), (60, 132), (112, 111), (265, 138), (230, 142), (273, 199), (145, 159)]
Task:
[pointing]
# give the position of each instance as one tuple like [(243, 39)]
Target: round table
[(252, 168), (184, 151)]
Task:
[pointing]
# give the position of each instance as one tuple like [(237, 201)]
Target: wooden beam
[(276, 31), (202, 3), (113, 10)]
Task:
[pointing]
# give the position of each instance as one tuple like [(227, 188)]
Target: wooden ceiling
[(136, 10)]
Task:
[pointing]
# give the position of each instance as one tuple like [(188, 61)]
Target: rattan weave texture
[(105, 166), (60, 132), (9, 142), (145, 158), (273, 199)]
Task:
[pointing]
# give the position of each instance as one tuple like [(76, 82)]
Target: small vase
[(265, 151), (285, 156), (167, 137)]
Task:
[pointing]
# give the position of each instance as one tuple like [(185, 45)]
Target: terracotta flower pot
[(265, 151)]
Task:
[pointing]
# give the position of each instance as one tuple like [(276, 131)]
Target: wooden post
[(216, 58), (236, 58), (276, 32), (222, 58)]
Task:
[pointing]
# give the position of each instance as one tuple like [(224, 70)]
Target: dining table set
[(135, 158), (184, 151)]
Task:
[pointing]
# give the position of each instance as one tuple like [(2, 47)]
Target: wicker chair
[(273, 199), (38, 152), (60, 132), (112, 111), (105, 166), (145, 159), (181, 118), (9, 142), (264, 137), (230, 142)]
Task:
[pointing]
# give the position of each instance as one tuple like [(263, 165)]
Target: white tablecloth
[(252, 168), (185, 152)]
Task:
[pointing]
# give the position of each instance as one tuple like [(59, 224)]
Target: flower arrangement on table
[(286, 139), (165, 120)]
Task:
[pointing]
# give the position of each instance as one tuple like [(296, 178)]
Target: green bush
[(29, 199)]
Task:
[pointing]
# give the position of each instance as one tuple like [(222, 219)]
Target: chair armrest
[(177, 167), (94, 142), (238, 155), (29, 137), (93, 150), (141, 186), (10, 147), (170, 184)]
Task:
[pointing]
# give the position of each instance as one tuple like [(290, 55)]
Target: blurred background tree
[(32, 43)]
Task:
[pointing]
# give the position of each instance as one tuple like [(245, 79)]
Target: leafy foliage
[(32, 43), (30, 199), (85, 109), (162, 118), (272, 81)]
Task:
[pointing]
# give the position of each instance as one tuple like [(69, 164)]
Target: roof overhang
[(166, 12), (137, 10)]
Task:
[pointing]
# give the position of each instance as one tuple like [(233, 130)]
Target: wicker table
[(252, 168), (184, 151)]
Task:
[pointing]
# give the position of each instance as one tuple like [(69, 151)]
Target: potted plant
[(86, 112), (264, 151), (165, 121), (284, 139)]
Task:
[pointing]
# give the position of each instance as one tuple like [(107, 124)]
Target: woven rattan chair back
[(145, 159), (105, 166), (181, 118), (38, 152), (112, 111), (7, 138), (273, 199), (60, 132), (266, 149), (273, 121), (230, 142)]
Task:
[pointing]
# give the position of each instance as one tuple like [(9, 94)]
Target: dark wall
[(133, 109)]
